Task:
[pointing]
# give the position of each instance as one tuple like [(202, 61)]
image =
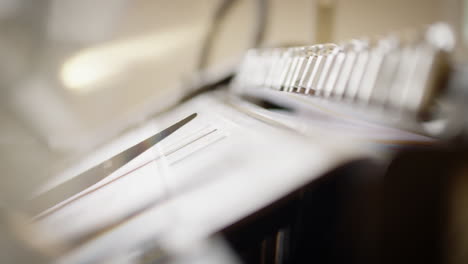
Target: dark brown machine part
[(416, 212)]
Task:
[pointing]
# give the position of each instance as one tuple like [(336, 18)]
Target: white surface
[(239, 168)]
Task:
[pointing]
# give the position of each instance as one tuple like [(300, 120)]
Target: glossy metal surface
[(95, 174)]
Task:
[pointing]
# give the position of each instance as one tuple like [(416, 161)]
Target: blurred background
[(74, 74)]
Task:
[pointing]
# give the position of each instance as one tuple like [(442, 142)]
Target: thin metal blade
[(95, 174)]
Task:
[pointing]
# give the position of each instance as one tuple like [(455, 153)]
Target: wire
[(213, 30), (261, 23), (206, 79), (221, 12)]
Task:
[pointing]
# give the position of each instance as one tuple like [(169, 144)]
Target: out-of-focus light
[(87, 69), (442, 36)]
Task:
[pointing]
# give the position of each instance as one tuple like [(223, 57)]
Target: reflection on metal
[(102, 170)]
